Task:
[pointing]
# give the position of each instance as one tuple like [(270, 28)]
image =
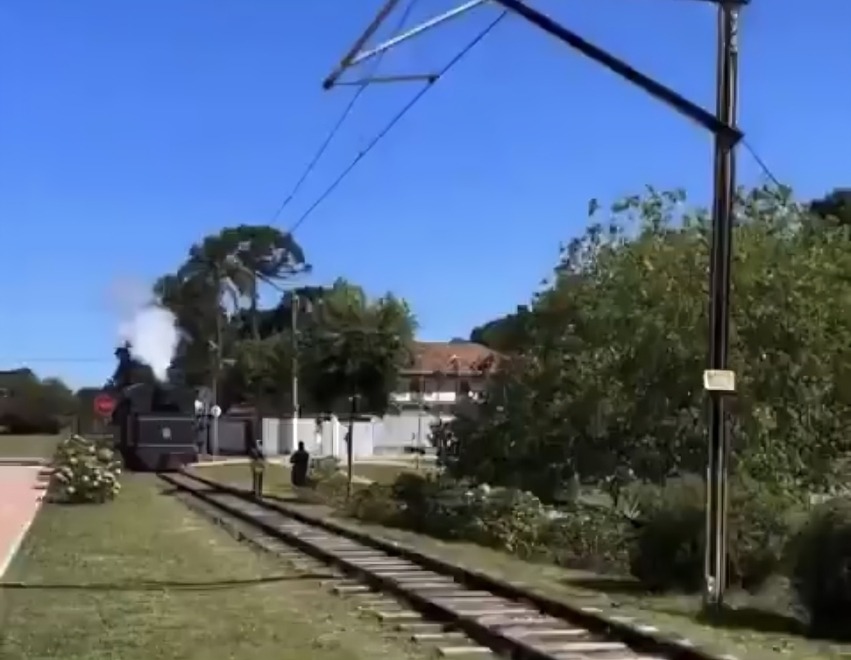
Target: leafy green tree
[(832, 210), (506, 334), (261, 373), (278, 319), (32, 405), (217, 277), (353, 350), (609, 382), (355, 346)]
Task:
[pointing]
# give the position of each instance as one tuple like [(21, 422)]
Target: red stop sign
[(104, 405)]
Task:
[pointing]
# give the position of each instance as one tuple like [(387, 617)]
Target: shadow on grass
[(729, 617), (310, 499), (287, 499), (165, 585), (753, 618), (609, 585)]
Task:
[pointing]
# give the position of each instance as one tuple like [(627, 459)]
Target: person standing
[(300, 460), (258, 467)]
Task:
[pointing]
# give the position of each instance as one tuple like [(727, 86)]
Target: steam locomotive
[(157, 428), (161, 427)]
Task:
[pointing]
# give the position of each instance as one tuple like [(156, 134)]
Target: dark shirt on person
[(300, 461)]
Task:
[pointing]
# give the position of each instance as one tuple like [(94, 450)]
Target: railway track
[(461, 613)]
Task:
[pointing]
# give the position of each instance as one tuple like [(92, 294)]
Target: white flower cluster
[(86, 471)]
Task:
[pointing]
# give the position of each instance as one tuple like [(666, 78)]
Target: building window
[(415, 385), (464, 388)]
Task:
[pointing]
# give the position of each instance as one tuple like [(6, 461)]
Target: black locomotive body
[(157, 429)]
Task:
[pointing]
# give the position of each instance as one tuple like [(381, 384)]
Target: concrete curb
[(24, 461)]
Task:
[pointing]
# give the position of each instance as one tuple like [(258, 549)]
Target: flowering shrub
[(504, 518), (86, 472)]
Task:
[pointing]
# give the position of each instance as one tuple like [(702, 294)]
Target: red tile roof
[(465, 358)]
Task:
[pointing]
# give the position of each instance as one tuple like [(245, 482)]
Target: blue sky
[(129, 129)]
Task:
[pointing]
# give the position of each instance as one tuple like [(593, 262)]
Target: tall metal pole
[(294, 304), (214, 436), (255, 332), (719, 309), (350, 449)]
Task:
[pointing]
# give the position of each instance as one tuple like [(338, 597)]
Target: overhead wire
[(761, 163), (429, 84), (395, 120), (345, 114)]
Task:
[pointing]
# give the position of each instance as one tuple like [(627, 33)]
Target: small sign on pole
[(104, 405)]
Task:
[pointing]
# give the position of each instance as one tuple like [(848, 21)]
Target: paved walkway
[(20, 498)]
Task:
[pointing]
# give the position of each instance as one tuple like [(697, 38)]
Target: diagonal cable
[(395, 120), (348, 109)]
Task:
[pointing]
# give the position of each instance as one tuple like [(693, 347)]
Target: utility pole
[(294, 304), (255, 332), (350, 449), (718, 380), (217, 364)]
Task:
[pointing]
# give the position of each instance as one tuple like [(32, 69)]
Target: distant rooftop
[(465, 358)]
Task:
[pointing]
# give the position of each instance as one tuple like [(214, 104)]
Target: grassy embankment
[(144, 577)]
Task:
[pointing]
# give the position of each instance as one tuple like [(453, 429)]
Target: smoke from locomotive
[(149, 330)]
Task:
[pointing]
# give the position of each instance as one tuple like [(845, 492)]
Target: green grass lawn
[(144, 577), (387, 474), (28, 446), (277, 480)]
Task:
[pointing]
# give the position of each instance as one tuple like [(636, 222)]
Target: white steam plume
[(150, 329)]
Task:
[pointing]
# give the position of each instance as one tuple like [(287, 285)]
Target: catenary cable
[(762, 164), (336, 128), (394, 121)]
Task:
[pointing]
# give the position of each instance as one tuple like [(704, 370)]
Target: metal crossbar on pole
[(419, 29), (411, 77), (385, 11), (356, 55), (656, 89)]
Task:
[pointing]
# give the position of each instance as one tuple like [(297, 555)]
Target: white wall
[(326, 440), (392, 434)]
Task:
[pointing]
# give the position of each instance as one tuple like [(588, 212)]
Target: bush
[(331, 489), (507, 519), (413, 491), (667, 550), (324, 468), (503, 518), (821, 569), (325, 480), (760, 523), (431, 505), (589, 538), (375, 504), (86, 471)]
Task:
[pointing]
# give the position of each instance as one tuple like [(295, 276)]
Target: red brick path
[(20, 499)]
